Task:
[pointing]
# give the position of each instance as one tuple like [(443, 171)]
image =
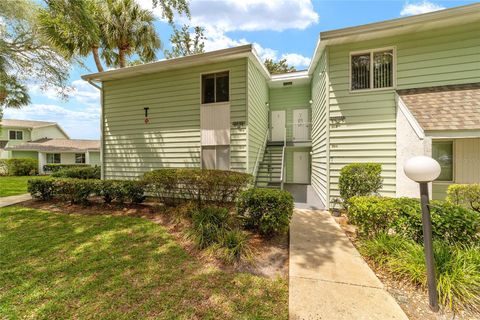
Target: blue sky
[(278, 28)]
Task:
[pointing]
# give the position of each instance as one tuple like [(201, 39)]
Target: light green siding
[(25, 154), (95, 158), (257, 114), (440, 57), (172, 138), (290, 98), (320, 114)]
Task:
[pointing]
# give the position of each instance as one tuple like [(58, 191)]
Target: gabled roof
[(58, 145), (452, 107), (29, 124)]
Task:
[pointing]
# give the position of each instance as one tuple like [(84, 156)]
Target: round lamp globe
[(422, 169)]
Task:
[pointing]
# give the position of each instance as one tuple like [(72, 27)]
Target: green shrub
[(76, 191), (359, 179), (54, 167), (110, 190), (19, 166), (85, 172), (42, 189), (465, 194), (174, 185), (267, 211), (208, 225), (234, 245), (451, 223), (134, 191), (457, 267)]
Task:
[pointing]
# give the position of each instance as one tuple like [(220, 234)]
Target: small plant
[(42, 189), (208, 225), (267, 211), (359, 179), (467, 195), (234, 245)]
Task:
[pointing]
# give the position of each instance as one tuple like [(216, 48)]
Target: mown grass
[(10, 186), (58, 266), (457, 267)]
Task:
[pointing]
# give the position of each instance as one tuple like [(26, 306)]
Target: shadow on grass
[(59, 266)]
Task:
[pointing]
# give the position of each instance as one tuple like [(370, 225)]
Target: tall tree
[(127, 29), (280, 66), (26, 58), (185, 43)]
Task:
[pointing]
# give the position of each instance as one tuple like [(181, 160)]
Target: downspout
[(101, 128)]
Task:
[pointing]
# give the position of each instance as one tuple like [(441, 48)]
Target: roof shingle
[(58, 145), (25, 123), (452, 107)]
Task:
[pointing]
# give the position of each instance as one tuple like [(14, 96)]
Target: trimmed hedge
[(80, 191), (172, 186), (19, 167), (359, 179), (267, 211), (54, 167), (467, 195), (450, 223), (86, 172)]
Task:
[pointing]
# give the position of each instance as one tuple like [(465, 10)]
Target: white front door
[(300, 167), (278, 125), (300, 125)]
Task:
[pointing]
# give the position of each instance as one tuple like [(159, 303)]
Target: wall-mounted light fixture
[(267, 104), (310, 101), (146, 115)]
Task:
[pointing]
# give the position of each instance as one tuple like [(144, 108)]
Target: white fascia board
[(410, 117)]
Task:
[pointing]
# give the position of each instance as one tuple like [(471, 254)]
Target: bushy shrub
[(84, 172), (19, 166), (42, 189), (457, 267), (267, 211), (134, 191), (208, 225), (451, 223), (359, 179), (465, 194), (173, 185), (54, 167), (76, 191)]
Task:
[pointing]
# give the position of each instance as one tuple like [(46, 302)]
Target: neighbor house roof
[(25, 123), (58, 145), (452, 107)]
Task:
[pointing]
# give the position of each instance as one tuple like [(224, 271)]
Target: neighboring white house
[(45, 141)]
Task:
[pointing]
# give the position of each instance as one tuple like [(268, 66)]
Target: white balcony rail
[(282, 171), (299, 132)]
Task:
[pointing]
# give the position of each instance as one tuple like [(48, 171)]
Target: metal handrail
[(257, 160), (283, 159)]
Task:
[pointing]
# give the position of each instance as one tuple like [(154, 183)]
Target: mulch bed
[(412, 299), (270, 256)]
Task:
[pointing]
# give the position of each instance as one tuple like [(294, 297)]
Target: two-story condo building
[(381, 92)]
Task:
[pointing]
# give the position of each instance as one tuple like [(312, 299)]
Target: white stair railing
[(282, 170), (259, 153)]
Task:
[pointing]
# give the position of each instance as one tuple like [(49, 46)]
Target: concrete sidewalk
[(8, 201), (328, 277)]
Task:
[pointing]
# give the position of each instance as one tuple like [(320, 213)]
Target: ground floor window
[(79, 157), (216, 157), (442, 151), (53, 158)]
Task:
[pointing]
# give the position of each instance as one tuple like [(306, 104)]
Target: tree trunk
[(97, 59), (121, 57)]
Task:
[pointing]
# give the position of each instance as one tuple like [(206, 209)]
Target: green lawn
[(59, 266), (10, 186)]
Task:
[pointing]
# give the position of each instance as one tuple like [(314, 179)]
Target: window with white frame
[(373, 69), (216, 157), (442, 151), (215, 87), (53, 158), (79, 157), (16, 135)]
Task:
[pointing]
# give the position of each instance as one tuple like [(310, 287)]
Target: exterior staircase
[(269, 170)]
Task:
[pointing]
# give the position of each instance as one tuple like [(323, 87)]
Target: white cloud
[(296, 60), (78, 124), (410, 9), (85, 93)]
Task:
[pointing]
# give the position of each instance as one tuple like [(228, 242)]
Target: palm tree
[(73, 27), (127, 30)]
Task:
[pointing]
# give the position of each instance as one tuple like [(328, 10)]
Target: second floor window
[(215, 87), (16, 135), (53, 158), (372, 70)]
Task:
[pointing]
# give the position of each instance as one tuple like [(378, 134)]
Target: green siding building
[(296, 131)]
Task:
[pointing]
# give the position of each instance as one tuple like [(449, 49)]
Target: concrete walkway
[(328, 277), (8, 201)]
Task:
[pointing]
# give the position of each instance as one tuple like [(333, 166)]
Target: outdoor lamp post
[(423, 170)]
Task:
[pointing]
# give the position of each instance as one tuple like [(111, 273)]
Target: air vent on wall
[(287, 83)]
